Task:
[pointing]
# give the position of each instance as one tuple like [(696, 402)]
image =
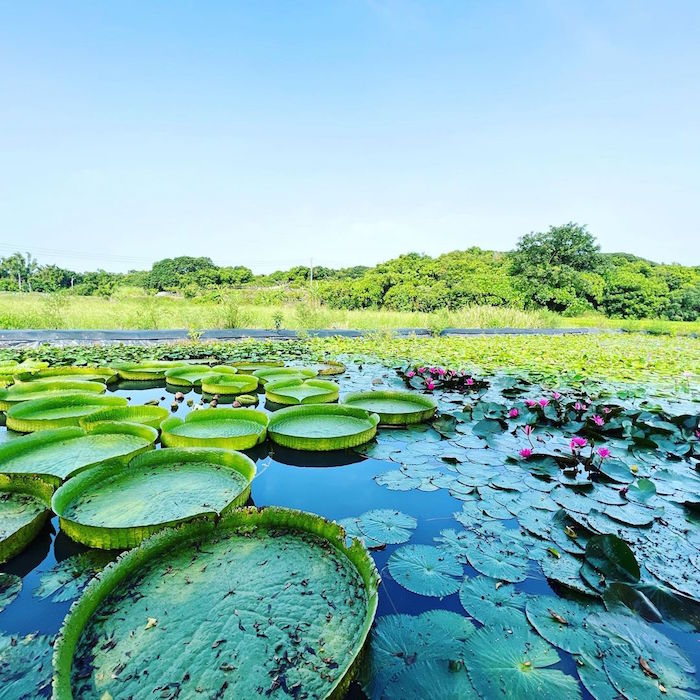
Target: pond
[(466, 522)]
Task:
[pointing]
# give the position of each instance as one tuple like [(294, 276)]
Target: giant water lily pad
[(250, 366), (146, 371), (111, 508), (425, 570), (23, 512), (230, 428), (55, 455), (394, 407), (69, 373), (322, 427), (228, 384), (152, 416), (270, 375), (261, 603), (25, 666), (60, 412), (192, 375), (288, 392), (29, 391), (67, 579), (505, 665)]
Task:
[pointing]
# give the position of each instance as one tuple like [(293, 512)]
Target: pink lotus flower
[(603, 452), (697, 434), (598, 420), (530, 403), (469, 381), (525, 452), (577, 443), (513, 413), (421, 370), (429, 385), (543, 402), (410, 374), (440, 371), (556, 395), (607, 409), (578, 406), (527, 429)]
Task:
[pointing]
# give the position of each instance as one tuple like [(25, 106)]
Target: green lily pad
[(381, 526), (10, 586), (565, 570), (503, 665), (442, 679), (289, 392), (493, 603), (228, 384), (23, 512), (146, 371), (25, 666), (55, 455), (106, 375), (608, 558), (225, 595), (192, 375), (58, 412), (250, 366), (115, 508), (67, 579), (394, 407), (322, 427), (151, 416), (562, 622), (230, 428), (30, 391), (270, 375), (425, 570)]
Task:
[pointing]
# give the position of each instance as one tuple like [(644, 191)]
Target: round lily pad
[(330, 367), (262, 601), (152, 416), (10, 585), (67, 579), (493, 603), (288, 392), (25, 666), (23, 512), (394, 407), (69, 373), (55, 455), (322, 427), (116, 508), (28, 391), (250, 366), (59, 412), (145, 371), (276, 374), (425, 570), (228, 383), (230, 428), (192, 375)]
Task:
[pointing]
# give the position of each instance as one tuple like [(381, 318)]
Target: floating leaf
[(608, 558), (442, 679), (492, 603), (385, 525), (425, 570), (10, 586), (67, 579), (25, 667)]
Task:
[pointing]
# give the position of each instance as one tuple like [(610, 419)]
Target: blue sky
[(268, 133)]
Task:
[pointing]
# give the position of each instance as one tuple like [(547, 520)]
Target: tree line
[(561, 269)]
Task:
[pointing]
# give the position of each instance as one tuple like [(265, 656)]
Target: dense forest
[(561, 270)]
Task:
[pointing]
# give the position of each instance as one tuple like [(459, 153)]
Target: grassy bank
[(148, 312)]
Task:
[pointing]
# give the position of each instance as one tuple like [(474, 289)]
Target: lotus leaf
[(59, 412), (250, 366), (228, 384), (105, 375), (276, 374), (289, 392), (192, 375), (322, 427), (151, 416), (224, 594), (230, 428), (394, 407), (145, 371), (23, 512), (114, 508)]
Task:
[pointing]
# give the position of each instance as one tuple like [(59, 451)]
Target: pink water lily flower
[(530, 403), (469, 381), (577, 443), (556, 395), (429, 385), (525, 452), (410, 374), (697, 434), (440, 371), (603, 452), (607, 409), (513, 413), (527, 429), (578, 406), (421, 370), (598, 420), (543, 402)]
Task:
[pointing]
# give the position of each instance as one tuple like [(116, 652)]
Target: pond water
[(338, 486)]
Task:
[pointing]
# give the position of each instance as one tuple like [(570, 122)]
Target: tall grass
[(139, 311)]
